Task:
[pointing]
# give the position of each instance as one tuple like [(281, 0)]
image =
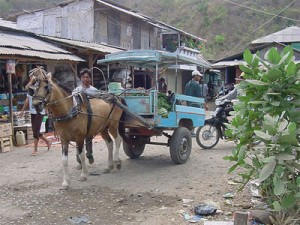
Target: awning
[(14, 53), (15, 43), (86, 45)]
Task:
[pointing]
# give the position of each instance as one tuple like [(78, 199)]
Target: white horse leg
[(84, 171), (66, 182), (117, 161), (110, 146)]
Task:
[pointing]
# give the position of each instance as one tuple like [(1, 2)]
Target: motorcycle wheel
[(207, 136)]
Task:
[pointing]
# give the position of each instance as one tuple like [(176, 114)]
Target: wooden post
[(10, 69)]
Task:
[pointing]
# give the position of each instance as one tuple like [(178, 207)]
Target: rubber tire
[(180, 145), (136, 149), (198, 139)]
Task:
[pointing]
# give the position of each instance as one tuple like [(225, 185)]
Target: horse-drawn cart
[(144, 117)]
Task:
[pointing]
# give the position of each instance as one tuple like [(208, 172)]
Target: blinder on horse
[(42, 99)]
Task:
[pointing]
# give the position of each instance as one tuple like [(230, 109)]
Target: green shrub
[(268, 110)]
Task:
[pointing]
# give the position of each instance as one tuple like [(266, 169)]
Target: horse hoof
[(83, 178), (64, 186), (107, 170), (79, 167), (118, 165)]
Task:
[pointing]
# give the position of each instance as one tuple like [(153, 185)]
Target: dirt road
[(151, 190)]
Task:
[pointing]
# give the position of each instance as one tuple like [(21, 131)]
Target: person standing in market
[(36, 122), (89, 90), (192, 88)]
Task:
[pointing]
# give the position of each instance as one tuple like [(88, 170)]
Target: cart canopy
[(153, 58)]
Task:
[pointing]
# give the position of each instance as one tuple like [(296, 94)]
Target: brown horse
[(76, 123)]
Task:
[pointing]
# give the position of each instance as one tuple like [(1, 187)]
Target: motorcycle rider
[(233, 94)]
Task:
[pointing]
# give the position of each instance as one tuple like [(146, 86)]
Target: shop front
[(20, 52)]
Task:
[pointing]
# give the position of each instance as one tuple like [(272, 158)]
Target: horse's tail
[(121, 128)]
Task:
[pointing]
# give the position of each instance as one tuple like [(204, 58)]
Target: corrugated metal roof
[(86, 45), (290, 34), (18, 43), (6, 23), (38, 54), (223, 64)]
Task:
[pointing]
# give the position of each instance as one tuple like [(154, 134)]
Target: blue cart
[(143, 118)]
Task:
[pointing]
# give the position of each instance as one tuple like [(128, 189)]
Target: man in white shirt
[(87, 88)]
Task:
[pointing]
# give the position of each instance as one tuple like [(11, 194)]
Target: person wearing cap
[(192, 88)]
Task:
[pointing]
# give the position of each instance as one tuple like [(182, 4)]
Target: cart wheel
[(180, 145), (135, 149)]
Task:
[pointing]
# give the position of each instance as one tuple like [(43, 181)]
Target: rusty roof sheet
[(20, 44), (85, 45)]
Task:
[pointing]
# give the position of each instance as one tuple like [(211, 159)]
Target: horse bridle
[(44, 100)]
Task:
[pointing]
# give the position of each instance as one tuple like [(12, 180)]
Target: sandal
[(34, 154)]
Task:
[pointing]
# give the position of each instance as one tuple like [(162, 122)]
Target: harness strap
[(89, 112), (72, 113)]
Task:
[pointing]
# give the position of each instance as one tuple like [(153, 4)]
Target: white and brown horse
[(76, 123)]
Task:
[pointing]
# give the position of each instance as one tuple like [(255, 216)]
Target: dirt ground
[(148, 191)]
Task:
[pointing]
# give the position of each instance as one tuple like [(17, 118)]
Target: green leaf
[(272, 93), (268, 159), (231, 169), (263, 135), (284, 156), (288, 201), (266, 171), (287, 50), (245, 69), (277, 207), (274, 74), (285, 57), (282, 125), (291, 69), (275, 103), (288, 139), (257, 82), (298, 181), (279, 186), (248, 57), (273, 56), (242, 153), (292, 127), (257, 102)]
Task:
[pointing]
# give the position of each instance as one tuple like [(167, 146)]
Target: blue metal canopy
[(153, 58)]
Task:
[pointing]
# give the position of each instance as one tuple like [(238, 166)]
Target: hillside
[(227, 25)]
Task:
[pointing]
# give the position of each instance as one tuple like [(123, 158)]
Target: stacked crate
[(6, 143)]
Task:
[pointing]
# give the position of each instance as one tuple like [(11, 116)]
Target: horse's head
[(39, 87)]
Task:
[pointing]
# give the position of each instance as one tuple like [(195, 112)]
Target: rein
[(59, 100)]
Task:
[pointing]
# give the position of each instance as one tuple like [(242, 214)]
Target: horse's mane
[(40, 73), (62, 86)]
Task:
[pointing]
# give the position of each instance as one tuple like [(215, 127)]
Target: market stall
[(20, 52)]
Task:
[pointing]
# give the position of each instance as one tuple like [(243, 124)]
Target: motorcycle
[(209, 135)]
